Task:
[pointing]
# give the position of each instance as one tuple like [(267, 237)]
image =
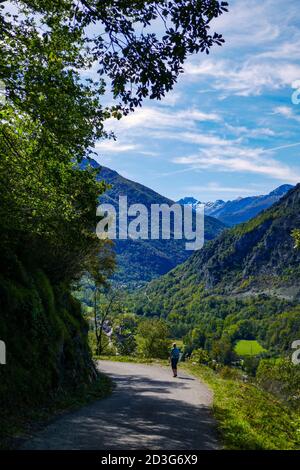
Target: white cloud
[(287, 112), (284, 51), (155, 118), (202, 139), (109, 146), (250, 77), (261, 55), (281, 147), (261, 49), (172, 98), (256, 132), (239, 159), (216, 187), (193, 138), (251, 23)]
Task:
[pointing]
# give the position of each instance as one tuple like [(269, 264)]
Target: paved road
[(149, 409)]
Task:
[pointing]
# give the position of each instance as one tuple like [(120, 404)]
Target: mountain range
[(139, 261), (252, 259), (243, 285), (241, 209)]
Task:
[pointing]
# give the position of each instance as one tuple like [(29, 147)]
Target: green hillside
[(242, 285)]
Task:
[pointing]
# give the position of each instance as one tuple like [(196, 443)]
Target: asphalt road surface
[(149, 410)]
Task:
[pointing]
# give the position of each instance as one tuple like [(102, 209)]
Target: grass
[(249, 418), (246, 347), (135, 359), (17, 426)]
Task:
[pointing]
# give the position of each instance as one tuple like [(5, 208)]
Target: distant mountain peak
[(241, 209), (211, 206), (188, 201), (281, 190)]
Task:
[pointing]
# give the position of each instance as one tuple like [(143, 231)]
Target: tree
[(135, 59), (152, 338), (54, 115), (107, 304), (48, 122), (200, 355), (250, 364), (124, 329), (222, 351)]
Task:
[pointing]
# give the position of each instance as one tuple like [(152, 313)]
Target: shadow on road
[(142, 413)]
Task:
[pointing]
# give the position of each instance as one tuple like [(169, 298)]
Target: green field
[(246, 347)]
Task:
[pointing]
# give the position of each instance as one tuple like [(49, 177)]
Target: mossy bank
[(47, 354)]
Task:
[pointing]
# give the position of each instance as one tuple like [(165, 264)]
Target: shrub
[(152, 338), (126, 346), (282, 378), (222, 351), (250, 364), (229, 373), (200, 356), (107, 348)]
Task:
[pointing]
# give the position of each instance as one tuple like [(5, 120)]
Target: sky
[(230, 127)]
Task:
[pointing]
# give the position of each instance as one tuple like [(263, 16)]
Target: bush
[(229, 373), (124, 330), (250, 364), (222, 351), (152, 338), (200, 356), (126, 346), (282, 378), (107, 348)]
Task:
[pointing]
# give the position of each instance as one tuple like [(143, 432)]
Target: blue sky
[(229, 128)]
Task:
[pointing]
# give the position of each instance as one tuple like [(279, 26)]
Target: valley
[(234, 308), (139, 261), (179, 328)]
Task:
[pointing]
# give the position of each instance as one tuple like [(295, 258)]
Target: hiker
[(174, 358)]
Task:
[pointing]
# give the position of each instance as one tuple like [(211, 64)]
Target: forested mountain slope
[(255, 257), (143, 260)]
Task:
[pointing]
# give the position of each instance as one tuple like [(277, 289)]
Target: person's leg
[(175, 369)]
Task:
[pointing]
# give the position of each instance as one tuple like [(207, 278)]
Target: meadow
[(246, 347)]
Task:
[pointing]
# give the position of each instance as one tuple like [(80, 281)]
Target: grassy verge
[(248, 418), (16, 427), (135, 359)]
